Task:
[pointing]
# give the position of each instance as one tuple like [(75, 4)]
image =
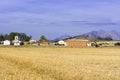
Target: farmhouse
[(6, 42), (78, 42)]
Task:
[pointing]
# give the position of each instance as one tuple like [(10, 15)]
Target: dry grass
[(59, 64)]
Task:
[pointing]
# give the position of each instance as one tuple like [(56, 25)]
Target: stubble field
[(59, 63)]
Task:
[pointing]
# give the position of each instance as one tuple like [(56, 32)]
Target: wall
[(77, 43)]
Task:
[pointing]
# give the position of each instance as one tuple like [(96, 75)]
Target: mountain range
[(114, 35), (94, 35)]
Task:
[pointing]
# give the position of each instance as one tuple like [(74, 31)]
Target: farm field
[(59, 63)]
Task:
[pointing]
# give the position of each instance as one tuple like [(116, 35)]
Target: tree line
[(10, 36)]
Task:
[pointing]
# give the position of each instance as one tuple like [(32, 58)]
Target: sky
[(54, 18)]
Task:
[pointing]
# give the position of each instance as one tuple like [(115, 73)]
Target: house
[(62, 43), (6, 42), (33, 42), (17, 43), (78, 43)]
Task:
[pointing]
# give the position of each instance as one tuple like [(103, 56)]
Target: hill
[(114, 35), (100, 35)]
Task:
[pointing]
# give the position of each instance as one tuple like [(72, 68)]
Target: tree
[(43, 38), (6, 36), (2, 38), (24, 37), (11, 36)]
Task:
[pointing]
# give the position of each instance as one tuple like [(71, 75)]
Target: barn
[(78, 43)]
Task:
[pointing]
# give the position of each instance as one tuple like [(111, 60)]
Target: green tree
[(22, 36), (12, 35), (43, 38), (2, 38), (6, 36)]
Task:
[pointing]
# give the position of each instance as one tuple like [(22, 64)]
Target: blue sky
[(54, 18)]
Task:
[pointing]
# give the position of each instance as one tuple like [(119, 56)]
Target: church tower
[(16, 38)]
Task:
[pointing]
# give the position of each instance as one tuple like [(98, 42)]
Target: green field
[(59, 63)]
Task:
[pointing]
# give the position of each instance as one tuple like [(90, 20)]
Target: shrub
[(117, 44)]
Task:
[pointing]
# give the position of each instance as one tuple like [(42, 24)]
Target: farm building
[(78, 43), (62, 43), (26, 43), (33, 42), (6, 42), (45, 43)]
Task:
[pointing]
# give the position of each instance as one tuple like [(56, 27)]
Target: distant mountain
[(100, 35), (61, 38), (104, 34)]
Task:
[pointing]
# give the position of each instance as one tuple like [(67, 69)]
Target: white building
[(6, 43), (32, 41), (16, 41), (61, 42)]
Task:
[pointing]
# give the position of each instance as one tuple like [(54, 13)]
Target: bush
[(117, 44), (95, 44)]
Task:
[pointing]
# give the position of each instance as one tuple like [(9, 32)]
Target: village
[(82, 42)]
